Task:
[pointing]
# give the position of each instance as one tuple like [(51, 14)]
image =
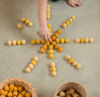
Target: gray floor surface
[(14, 59)]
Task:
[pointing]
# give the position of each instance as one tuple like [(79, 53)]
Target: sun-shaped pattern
[(53, 43)]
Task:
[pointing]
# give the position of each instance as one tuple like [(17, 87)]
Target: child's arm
[(44, 31)]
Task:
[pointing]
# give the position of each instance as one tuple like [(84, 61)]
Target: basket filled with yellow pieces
[(17, 87)]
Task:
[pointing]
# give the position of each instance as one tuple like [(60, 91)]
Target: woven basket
[(68, 85), (18, 81)]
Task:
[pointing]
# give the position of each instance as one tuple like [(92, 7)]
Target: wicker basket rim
[(70, 82)]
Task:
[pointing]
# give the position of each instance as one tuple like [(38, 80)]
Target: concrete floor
[(14, 59)]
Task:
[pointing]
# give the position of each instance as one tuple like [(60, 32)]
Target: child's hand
[(75, 3), (44, 33)]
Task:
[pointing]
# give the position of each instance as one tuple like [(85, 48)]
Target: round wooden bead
[(52, 64), (23, 42), (51, 56), (50, 51), (50, 47), (72, 91), (68, 96), (64, 25), (62, 94), (67, 22), (33, 41), (30, 24), (74, 63), (45, 47), (82, 40), (67, 40), (49, 25), (33, 62), (30, 66), (27, 70), (90, 40), (86, 40), (18, 42), (78, 66), (70, 20), (36, 58), (53, 73), (67, 57), (62, 40), (14, 42), (19, 26), (59, 31), (57, 40), (42, 41), (60, 49), (47, 17), (27, 21), (48, 6), (71, 60), (9, 43), (73, 18), (38, 41), (68, 92), (22, 19), (42, 50), (56, 46), (77, 40), (48, 9)]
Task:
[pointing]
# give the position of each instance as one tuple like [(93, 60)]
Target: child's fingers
[(81, 2), (77, 4), (46, 38), (42, 36), (73, 5)]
